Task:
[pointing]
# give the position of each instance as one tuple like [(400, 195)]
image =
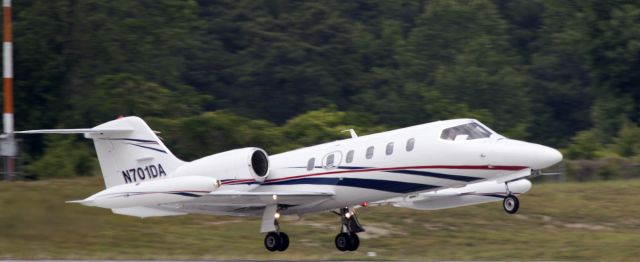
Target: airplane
[(438, 165)]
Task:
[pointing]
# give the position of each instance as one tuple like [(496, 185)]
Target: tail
[(128, 150)]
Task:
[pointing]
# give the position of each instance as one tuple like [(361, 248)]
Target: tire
[(272, 241), (354, 242), (343, 241), (511, 204), (284, 242)]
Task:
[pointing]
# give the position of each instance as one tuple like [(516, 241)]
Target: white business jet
[(438, 165)]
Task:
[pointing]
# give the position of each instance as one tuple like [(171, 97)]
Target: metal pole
[(7, 116)]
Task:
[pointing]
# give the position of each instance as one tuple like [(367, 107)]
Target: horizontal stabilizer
[(73, 131), (82, 202)]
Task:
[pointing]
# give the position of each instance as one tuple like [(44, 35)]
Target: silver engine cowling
[(243, 163)]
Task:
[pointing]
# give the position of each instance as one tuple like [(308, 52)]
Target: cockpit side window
[(468, 131)]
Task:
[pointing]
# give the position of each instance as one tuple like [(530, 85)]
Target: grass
[(596, 221)]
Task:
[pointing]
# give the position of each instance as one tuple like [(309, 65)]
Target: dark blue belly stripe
[(375, 184), (436, 175)]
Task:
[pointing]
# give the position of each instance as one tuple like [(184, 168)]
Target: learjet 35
[(437, 165)]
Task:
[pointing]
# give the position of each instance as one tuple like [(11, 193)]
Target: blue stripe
[(436, 175), (352, 167), (339, 167), (134, 139), (159, 150), (375, 184), (185, 194)]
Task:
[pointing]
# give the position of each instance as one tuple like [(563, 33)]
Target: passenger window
[(410, 143), (329, 163), (369, 152), (350, 156), (389, 150), (311, 163)]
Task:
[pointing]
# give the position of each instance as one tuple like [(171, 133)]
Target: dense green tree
[(216, 75)]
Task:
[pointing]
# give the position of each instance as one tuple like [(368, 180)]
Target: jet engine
[(243, 163)]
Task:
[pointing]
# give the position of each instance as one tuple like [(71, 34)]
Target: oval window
[(369, 152), (350, 156), (389, 149), (410, 143), (332, 160), (311, 163)]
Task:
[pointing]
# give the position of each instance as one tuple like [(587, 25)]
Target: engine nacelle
[(243, 163)]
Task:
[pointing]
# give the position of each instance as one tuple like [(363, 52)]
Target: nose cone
[(544, 156)]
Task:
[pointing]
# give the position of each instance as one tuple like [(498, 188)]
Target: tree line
[(216, 75)]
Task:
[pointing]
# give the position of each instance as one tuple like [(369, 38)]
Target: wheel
[(511, 204), (284, 242), (343, 241), (272, 241), (354, 242)]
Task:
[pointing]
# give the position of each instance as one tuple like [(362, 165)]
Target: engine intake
[(260, 163)]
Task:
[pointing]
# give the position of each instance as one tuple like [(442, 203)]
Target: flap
[(252, 198)]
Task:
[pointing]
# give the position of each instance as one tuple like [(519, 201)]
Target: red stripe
[(509, 168)]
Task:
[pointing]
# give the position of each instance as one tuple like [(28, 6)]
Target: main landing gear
[(274, 240), (347, 239), (510, 204)]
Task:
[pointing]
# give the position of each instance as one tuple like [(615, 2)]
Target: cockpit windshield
[(467, 131)]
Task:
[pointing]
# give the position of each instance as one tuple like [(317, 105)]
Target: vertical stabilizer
[(128, 150)]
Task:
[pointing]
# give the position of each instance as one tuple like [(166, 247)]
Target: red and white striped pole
[(7, 64), (9, 145)]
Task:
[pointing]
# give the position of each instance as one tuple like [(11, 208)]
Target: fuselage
[(411, 160)]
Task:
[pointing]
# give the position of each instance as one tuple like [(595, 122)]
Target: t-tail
[(128, 150)]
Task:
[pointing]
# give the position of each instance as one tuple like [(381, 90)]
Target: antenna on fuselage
[(352, 132)]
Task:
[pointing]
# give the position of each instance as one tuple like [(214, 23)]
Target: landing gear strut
[(347, 239), (274, 240)]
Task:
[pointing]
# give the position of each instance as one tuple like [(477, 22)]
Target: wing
[(246, 203)]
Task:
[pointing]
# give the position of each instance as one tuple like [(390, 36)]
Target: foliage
[(628, 141), (584, 145), (554, 72), (64, 157)]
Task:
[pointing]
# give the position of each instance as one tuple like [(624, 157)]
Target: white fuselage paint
[(431, 165)]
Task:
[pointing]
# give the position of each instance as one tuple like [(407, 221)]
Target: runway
[(73, 260)]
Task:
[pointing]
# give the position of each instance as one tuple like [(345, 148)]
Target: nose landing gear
[(511, 204)]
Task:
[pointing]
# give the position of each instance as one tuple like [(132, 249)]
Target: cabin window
[(350, 156), (410, 143), (389, 149), (311, 163), (465, 132), (369, 152), (330, 161)]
